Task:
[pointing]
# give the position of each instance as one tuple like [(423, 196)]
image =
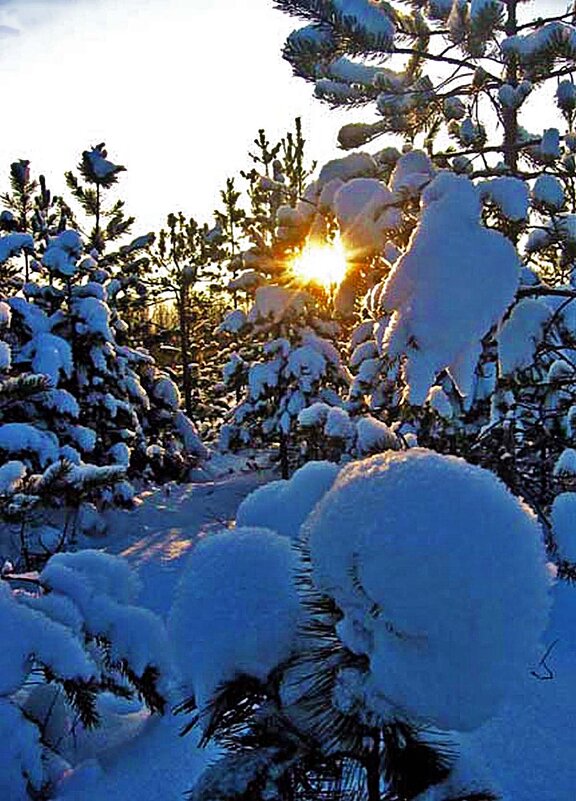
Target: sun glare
[(323, 264)]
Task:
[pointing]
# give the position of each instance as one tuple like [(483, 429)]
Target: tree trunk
[(284, 461), (185, 353), (510, 115), (372, 766)]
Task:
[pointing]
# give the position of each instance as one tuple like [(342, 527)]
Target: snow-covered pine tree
[(108, 406), (297, 366), (458, 80), (43, 486), (285, 357), (72, 635)]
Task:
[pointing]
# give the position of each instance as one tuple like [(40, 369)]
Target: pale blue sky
[(176, 88)]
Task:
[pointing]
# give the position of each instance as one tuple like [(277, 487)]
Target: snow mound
[(284, 505), (440, 575), (236, 609)]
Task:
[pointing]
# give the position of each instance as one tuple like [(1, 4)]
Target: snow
[(548, 192), (5, 315), (513, 96), (307, 365), (524, 745), (233, 322), (360, 209), (446, 292), (263, 376), (61, 401), (566, 463), (355, 165), (374, 436), (366, 19), (530, 47), (63, 252), (94, 317), (440, 402), (50, 355), (521, 334), (21, 754), (509, 195), (32, 316), (135, 756), (5, 356), (13, 244), (338, 425), (564, 525), (284, 505), (120, 454), (469, 133), (103, 587), (102, 168), (412, 171), (447, 597), (166, 391), (155, 763), (313, 415), (24, 439), (84, 437), (247, 279), (550, 144), (566, 95), (191, 440), (362, 333), (275, 302), (11, 475), (235, 581), (32, 634)]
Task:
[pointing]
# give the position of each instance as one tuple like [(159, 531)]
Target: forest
[(288, 495)]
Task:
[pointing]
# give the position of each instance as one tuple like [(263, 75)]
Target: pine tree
[(283, 356), (75, 636), (78, 399), (459, 86), (185, 260)]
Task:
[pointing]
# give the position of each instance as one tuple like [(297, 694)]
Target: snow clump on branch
[(454, 283)]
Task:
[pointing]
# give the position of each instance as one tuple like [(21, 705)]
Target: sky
[(176, 88)]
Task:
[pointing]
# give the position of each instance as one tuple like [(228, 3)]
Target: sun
[(321, 263)]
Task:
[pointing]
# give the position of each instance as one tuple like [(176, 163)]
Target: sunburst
[(323, 264)]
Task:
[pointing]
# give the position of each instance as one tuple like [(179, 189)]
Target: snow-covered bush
[(423, 593), (400, 528), (70, 636)]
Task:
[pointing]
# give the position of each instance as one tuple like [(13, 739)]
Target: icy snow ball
[(440, 575)]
